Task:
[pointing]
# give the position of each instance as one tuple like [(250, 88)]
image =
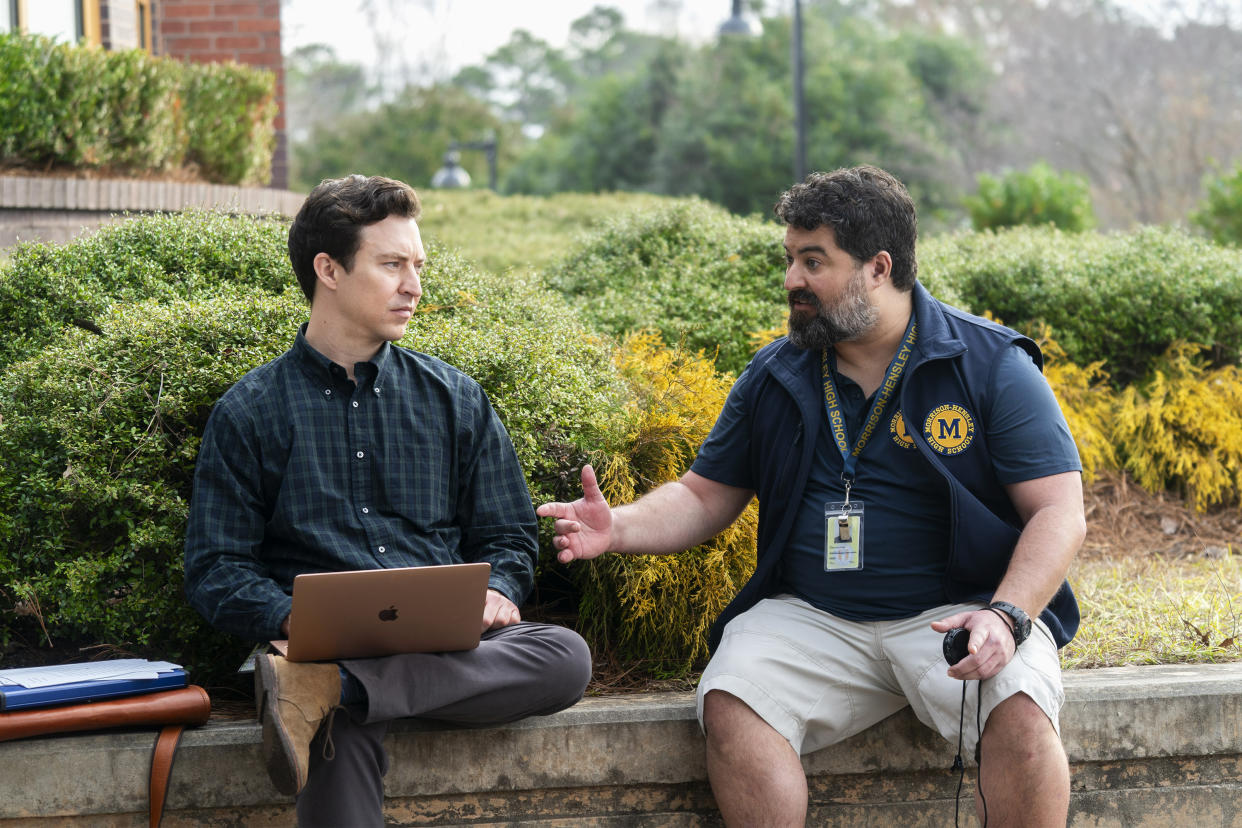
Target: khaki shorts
[(818, 679)]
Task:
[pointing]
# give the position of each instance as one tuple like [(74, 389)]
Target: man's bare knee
[(1023, 769), (755, 773), (1019, 725)]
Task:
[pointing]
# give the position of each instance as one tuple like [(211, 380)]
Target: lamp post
[(452, 176), (799, 97), (739, 24)]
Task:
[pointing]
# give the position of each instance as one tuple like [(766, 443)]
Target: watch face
[(1023, 630)]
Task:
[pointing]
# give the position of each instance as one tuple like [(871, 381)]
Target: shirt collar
[(323, 370)]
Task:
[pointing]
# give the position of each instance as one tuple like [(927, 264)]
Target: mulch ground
[(1123, 520)]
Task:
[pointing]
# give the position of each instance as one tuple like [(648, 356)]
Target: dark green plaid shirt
[(301, 470)]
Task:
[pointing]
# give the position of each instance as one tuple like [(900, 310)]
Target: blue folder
[(13, 697)]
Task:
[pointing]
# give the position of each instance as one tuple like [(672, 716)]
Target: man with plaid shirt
[(346, 453)]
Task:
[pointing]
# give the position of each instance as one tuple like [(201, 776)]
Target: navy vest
[(953, 357)]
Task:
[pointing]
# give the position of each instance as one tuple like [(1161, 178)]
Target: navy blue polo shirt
[(906, 534)]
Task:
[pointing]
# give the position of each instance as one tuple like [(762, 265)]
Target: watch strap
[(1019, 621)]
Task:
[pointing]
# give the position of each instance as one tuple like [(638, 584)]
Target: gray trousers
[(517, 671)]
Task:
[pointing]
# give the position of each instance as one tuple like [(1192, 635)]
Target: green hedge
[(703, 278), (709, 280), (1122, 298), (99, 431), (1220, 213), (44, 287), (83, 107), (97, 451), (550, 378), (229, 115), (1036, 196)]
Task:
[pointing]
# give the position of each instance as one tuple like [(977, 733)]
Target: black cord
[(959, 765), (978, 755)]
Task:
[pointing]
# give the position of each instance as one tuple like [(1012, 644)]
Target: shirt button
[(381, 550), (327, 392), (355, 403), (360, 455), (365, 510)]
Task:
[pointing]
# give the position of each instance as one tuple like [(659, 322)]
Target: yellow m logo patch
[(949, 429)]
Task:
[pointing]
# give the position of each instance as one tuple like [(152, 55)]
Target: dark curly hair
[(868, 211), (332, 218)]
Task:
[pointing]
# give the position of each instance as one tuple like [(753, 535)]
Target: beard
[(850, 317)]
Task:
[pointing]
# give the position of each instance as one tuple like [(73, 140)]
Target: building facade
[(204, 31)]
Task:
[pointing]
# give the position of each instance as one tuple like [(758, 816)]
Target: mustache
[(804, 296)]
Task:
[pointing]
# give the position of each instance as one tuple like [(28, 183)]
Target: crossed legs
[(517, 671)]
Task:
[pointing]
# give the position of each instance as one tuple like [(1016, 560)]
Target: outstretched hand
[(584, 527)]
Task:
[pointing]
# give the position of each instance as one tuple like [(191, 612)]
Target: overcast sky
[(463, 32), (450, 34)]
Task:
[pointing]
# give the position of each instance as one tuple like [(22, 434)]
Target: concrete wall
[(59, 209), (1148, 746)]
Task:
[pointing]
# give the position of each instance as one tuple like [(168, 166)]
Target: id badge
[(843, 539)]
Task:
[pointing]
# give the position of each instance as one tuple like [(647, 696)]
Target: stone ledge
[(1147, 745)]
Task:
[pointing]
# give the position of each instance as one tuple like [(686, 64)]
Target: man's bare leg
[(756, 775), (1024, 771)]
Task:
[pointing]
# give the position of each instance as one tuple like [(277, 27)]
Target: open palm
[(583, 528)]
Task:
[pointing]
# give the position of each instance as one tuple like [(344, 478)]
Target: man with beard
[(915, 475)]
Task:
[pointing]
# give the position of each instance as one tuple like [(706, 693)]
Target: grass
[(1156, 610)]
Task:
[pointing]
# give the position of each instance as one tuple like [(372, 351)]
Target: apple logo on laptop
[(389, 614)]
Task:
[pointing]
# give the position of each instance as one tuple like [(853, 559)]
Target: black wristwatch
[(1021, 621)]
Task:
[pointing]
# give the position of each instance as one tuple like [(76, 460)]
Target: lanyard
[(836, 418)]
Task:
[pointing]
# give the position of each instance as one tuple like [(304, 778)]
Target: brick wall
[(212, 31)]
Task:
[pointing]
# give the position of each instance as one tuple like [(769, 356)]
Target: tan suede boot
[(293, 699)]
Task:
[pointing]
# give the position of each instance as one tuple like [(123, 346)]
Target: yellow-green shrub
[(657, 609), (1088, 403), (1182, 428)]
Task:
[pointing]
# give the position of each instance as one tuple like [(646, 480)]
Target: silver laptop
[(378, 612)]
